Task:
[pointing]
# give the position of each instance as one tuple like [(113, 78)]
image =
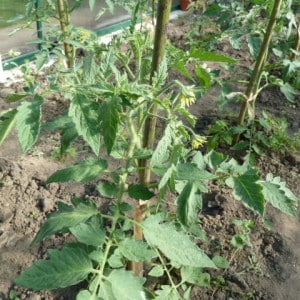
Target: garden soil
[(268, 270)]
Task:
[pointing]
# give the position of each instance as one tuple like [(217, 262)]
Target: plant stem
[(297, 47), (163, 15), (64, 19), (248, 106)]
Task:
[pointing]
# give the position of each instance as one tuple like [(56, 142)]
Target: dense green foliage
[(110, 96)]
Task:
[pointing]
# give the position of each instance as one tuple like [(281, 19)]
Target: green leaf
[(90, 68), (195, 276), (167, 293), (289, 92), (7, 123), (16, 97), (142, 153), (86, 170), (175, 245), (166, 177), (105, 291), (110, 120), (215, 159), (221, 262), (125, 285), (41, 59), (162, 153), (139, 192), (190, 171), (210, 56), (86, 295), (85, 115), (116, 260), (28, 121), (203, 77), (249, 191), (277, 197), (189, 204), (107, 189), (254, 44), (64, 268), (157, 271), (67, 218), (90, 233), (136, 250), (241, 240), (92, 4)]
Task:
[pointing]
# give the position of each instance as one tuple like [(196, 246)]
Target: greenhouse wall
[(12, 17)]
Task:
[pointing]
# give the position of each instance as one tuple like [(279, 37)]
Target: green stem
[(174, 286), (252, 90)]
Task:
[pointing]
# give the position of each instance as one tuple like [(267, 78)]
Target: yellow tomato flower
[(198, 141), (187, 95)]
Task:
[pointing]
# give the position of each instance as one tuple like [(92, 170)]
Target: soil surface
[(268, 270)]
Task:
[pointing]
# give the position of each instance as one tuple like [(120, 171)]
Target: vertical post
[(39, 25), (163, 16), (64, 19), (251, 93)]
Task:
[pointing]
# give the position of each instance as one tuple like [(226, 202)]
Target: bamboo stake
[(64, 19), (248, 106), (163, 16)]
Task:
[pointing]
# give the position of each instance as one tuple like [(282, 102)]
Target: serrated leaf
[(142, 153), (278, 198), (195, 276), (7, 123), (90, 233), (162, 153), (249, 191), (215, 159), (67, 218), (189, 203), (167, 293), (210, 56), (85, 115), (110, 119), (157, 271), (64, 268), (90, 69), (190, 171), (136, 250), (175, 245), (126, 286), (254, 44), (139, 192), (166, 177), (107, 189), (289, 92), (86, 170), (28, 121), (41, 59), (105, 291), (203, 77)]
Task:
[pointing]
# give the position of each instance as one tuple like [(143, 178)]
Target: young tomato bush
[(110, 97)]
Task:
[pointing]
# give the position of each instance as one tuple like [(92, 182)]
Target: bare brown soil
[(270, 270)]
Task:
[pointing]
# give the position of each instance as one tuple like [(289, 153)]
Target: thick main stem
[(251, 93), (163, 16), (64, 19)]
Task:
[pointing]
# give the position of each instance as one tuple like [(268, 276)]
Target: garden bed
[(270, 269)]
